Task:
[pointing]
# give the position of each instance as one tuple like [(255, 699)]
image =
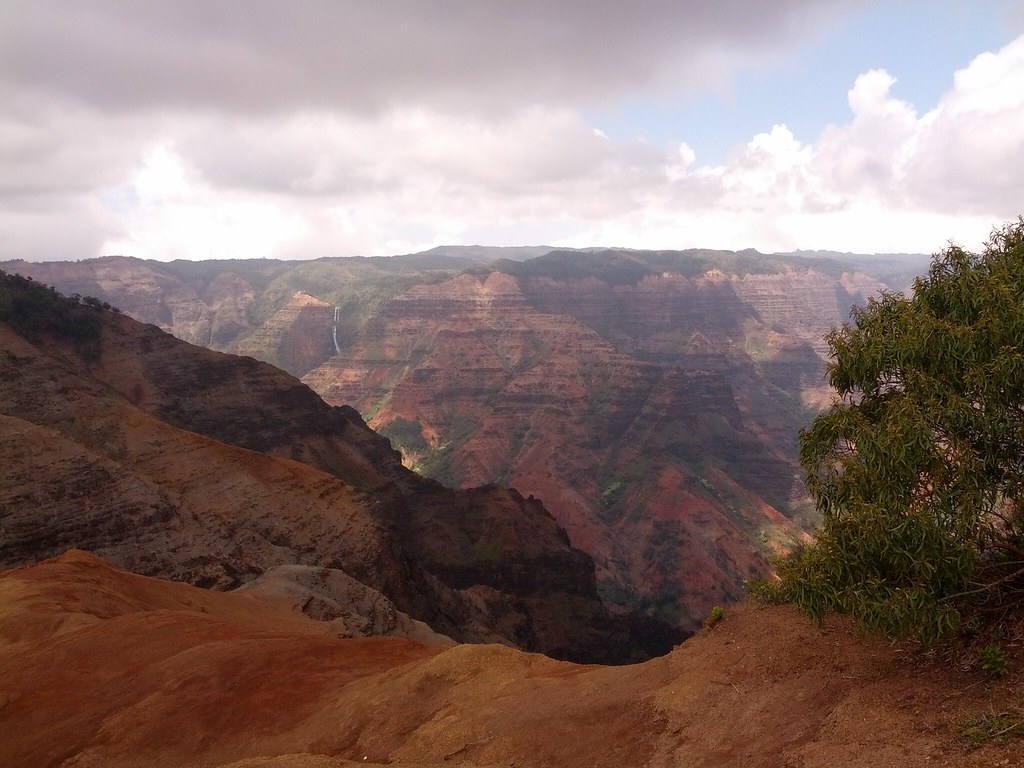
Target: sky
[(203, 129)]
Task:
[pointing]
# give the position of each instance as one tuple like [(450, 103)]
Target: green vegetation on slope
[(36, 311), (621, 266), (359, 287), (405, 435), (918, 469), (257, 272)]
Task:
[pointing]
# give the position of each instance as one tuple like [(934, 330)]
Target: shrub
[(715, 615), (917, 469)]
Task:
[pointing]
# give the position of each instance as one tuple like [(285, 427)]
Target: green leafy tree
[(917, 468)]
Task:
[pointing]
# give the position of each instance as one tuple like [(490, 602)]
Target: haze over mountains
[(650, 400)]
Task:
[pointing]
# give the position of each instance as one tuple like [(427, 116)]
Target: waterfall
[(334, 332)]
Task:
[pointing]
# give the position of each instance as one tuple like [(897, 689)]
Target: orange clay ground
[(99, 667)]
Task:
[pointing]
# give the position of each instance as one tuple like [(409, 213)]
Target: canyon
[(180, 462), (649, 399), (209, 565)]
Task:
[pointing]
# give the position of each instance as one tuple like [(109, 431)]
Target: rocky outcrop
[(328, 594), (181, 462)]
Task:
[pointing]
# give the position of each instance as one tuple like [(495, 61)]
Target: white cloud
[(162, 177), (296, 164), (889, 180), (969, 151), (168, 212), (328, 185), (54, 228)]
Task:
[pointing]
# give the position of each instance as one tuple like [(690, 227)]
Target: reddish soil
[(99, 667)]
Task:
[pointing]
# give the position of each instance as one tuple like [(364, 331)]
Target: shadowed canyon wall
[(181, 462)]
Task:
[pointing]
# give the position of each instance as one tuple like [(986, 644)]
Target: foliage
[(36, 311), (612, 493), (994, 728), (715, 615), (993, 660), (666, 605), (405, 435), (767, 591), (257, 272), (627, 267), (918, 468), (437, 463), (613, 267)]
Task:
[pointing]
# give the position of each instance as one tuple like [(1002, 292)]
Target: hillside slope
[(181, 462), (102, 667)]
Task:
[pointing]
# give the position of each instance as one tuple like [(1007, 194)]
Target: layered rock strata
[(181, 462), (650, 399), (655, 418)]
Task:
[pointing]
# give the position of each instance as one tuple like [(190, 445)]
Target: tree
[(917, 469)]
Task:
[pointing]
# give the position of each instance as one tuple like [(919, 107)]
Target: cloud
[(969, 151), (229, 129), (251, 56), (889, 180), (324, 185), (54, 229), (170, 212), (327, 154)]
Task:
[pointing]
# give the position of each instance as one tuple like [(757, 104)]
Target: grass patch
[(715, 615), (996, 728), (766, 591)]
